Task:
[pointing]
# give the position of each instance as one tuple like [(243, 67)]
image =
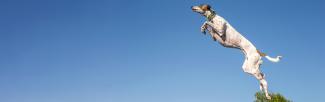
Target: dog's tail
[(276, 59)]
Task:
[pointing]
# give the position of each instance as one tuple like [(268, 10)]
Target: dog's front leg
[(211, 30), (204, 27), (220, 30), (215, 36)]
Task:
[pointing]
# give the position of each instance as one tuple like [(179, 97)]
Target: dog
[(221, 31)]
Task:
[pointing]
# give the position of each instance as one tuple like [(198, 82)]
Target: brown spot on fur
[(205, 7), (261, 53)]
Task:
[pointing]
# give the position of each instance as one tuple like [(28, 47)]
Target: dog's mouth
[(196, 9)]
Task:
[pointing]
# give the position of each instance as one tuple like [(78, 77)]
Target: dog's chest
[(231, 37), (218, 21)]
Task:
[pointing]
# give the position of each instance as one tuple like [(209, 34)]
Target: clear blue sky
[(153, 51)]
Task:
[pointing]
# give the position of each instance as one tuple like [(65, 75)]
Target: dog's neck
[(209, 15)]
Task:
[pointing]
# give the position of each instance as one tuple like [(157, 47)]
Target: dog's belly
[(233, 39)]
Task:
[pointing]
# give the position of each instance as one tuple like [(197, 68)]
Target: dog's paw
[(203, 28), (203, 31), (214, 38), (268, 97)]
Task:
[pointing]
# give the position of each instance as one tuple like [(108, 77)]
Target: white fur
[(227, 36), (277, 59)]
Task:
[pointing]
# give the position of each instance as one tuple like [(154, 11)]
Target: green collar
[(211, 16)]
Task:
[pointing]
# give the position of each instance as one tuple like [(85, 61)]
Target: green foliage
[(276, 97)]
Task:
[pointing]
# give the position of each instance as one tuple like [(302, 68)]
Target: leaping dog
[(221, 31)]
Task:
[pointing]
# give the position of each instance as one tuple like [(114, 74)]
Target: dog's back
[(231, 36)]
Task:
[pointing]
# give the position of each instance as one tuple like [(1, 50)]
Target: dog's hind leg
[(251, 66), (263, 84), (261, 77)]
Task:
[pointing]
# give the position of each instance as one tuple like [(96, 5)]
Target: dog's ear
[(206, 7)]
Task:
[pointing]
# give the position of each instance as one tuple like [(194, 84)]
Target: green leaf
[(276, 97)]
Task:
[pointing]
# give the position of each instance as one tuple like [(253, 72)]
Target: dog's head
[(202, 9)]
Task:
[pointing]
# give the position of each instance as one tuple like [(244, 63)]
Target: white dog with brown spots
[(226, 35)]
